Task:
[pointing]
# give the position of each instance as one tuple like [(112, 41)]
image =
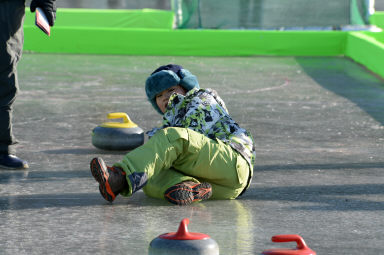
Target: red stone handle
[(301, 249), (291, 238), (183, 233)]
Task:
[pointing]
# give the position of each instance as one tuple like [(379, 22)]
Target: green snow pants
[(174, 155)]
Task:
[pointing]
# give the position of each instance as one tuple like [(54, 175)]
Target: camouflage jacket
[(202, 110)]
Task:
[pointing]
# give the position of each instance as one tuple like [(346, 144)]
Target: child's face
[(163, 97)]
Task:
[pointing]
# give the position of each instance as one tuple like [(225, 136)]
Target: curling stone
[(183, 242), (301, 249), (116, 135)]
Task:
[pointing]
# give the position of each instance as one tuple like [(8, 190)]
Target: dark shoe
[(111, 179), (12, 162), (185, 193)]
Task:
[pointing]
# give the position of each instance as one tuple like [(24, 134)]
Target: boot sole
[(23, 167), (97, 169), (183, 194)]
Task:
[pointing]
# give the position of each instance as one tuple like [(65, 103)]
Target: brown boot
[(185, 193), (111, 179)]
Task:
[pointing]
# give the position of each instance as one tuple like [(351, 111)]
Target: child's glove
[(49, 8)]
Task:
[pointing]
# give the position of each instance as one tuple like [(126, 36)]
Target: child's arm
[(152, 132)]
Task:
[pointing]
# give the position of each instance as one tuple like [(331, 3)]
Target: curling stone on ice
[(124, 135), (301, 249), (183, 242)]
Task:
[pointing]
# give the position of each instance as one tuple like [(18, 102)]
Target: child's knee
[(223, 193), (174, 133), (177, 137)]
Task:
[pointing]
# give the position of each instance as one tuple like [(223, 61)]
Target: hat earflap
[(188, 80)]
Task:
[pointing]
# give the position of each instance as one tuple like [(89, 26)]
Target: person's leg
[(147, 166), (11, 44), (186, 190), (172, 164), (162, 180), (232, 187), (158, 154), (193, 155), (112, 181)]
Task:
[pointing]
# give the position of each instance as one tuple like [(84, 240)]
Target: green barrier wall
[(377, 19), (122, 32), (367, 49), (113, 32), (185, 42), (378, 36), (96, 18)]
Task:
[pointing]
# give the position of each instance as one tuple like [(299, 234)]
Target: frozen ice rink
[(318, 126)]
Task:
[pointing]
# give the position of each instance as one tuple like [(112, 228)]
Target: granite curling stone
[(116, 135), (183, 242)]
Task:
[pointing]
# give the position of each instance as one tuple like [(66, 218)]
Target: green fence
[(270, 14)]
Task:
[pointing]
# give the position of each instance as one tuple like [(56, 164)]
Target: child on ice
[(199, 153)]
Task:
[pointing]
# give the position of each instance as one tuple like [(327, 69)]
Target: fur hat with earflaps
[(168, 76)]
